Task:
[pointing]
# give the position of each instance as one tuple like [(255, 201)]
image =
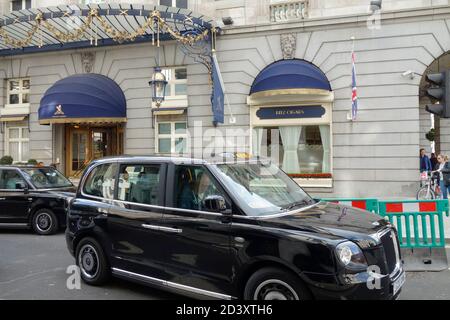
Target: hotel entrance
[(89, 114), (87, 143)]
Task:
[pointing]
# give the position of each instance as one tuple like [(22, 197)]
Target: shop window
[(172, 138), (20, 5), (18, 92), (299, 150), (176, 82), (174, 3), (18, 143)]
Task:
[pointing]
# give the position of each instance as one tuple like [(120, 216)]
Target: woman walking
[(444, 175)]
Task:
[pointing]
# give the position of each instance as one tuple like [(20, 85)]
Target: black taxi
[(35, 197), (226, 228)]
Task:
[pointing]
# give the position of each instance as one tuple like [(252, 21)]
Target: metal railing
[(286, 11), (419, 223)]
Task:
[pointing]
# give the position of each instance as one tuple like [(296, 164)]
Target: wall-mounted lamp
[(158, 85)]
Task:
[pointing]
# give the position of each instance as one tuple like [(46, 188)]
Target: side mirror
[(215, 204), (22, 186)]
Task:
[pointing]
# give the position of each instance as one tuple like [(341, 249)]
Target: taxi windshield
[(262, 189), (47, 178)]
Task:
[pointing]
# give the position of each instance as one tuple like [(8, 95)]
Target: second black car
[(35, 197)]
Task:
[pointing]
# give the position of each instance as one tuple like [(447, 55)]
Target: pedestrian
[(434, 161), (444, 175), (425, 163)]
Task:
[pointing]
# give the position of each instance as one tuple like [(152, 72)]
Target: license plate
[(399, 283)]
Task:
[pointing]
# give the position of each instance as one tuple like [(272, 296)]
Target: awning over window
[(290, 74), (84, 98), (12, 118), (169, 111), (287, 80)]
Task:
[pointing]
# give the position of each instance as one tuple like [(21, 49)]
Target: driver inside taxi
[(194, 193), (204, 189)]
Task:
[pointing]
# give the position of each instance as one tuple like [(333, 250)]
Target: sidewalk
[(426, 286)]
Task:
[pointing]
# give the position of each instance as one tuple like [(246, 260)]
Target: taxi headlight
[(349, 254)]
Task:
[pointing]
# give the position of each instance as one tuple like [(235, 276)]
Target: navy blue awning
[(83, 98), (290, 74)]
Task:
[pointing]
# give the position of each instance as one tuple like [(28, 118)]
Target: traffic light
[(439, 92)]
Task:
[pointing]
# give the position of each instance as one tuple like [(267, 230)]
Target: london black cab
[(34, 197), (226, 229)]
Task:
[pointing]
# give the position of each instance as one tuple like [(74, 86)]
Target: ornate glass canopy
[(82, 26), (78, 26)]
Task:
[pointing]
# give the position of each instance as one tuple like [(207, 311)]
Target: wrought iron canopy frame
[(122, 18)]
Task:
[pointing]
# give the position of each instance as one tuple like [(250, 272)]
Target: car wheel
[(91, 260), (275, 284), (44, 222)]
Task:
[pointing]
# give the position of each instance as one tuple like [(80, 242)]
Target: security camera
[(228, 21), (408, 73), (375, 5)]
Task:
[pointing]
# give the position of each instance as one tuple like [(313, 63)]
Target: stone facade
[(377, 155)]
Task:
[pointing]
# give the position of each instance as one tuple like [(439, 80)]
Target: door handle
[(163, 229), (2, 199)]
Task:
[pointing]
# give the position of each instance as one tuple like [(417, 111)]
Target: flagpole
[(352, 116), (227, 101), (353, 44), (353, 52)]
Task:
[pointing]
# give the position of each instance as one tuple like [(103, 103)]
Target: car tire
[(275, 284), (92, 261), (44, 222)]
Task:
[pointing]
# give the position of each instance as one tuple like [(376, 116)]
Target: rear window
[(140, 184), (101, 181), (10, 179)]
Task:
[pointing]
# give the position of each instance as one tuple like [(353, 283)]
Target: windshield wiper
[(297, 204)]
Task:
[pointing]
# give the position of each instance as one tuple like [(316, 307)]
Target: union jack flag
[(354, 91)]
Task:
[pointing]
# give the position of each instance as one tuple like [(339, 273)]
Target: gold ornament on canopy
[(89, 29)]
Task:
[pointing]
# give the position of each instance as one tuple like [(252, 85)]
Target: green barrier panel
[(368, 204), (419, 223)]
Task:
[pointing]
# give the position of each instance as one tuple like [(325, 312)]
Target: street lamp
[(158, 85)]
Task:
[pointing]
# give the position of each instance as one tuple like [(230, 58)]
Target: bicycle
[(429, 189)]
